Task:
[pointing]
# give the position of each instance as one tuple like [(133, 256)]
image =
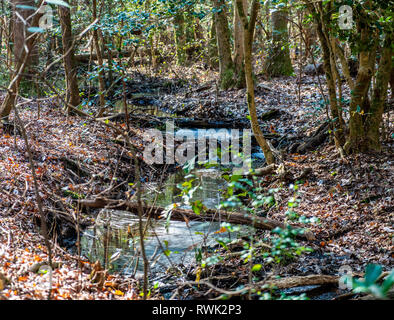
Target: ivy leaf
[(35, 29), (25, 7), (58, 3), (372, 273), (197, 207), (256, 267), (388, 283)]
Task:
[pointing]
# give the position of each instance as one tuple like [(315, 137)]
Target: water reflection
[(117, 231), (209, 192)]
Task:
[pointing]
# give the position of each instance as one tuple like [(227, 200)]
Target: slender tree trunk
[(239, 47), (310, 39), (72, 96), (392, 80), (20, 30), (100, 64), (374, 117), (213, 46), (226, 65), (109, 49), (198, 30), (3, 20), (339, 52), (249, 27), (20, 34), (356, 141), (337, 125), (20, 65), (180, 38)]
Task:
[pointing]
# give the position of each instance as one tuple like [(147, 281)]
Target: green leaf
[(22, 6), (197, 207), (35, 29), (372, 273), (58, 3), (388, 283), (256, 267)]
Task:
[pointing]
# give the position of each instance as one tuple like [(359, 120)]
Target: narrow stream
[(114, 241), (116, 232)]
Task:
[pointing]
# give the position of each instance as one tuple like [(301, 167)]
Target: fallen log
[(311, 143), (263, 86), (283, 283), (180, 214), (301, 281), (260, 172), (86, 57), (199, 89), (148, 121)]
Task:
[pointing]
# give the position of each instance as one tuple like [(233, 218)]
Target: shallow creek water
[(113, 240), (116, 233)]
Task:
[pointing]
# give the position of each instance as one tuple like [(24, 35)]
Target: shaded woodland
[(86, 213)]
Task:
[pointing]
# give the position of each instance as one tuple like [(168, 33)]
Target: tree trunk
[(213, 47), (392, 79), (226, 65), (20, 64), (239, 47), (198, 30), (3, 24), (72, 96), (278, 62), (336, 117), (100, 63), (339, 52), (249, 27), (374, 118), (20, 34), (356, 141), (180, 38)]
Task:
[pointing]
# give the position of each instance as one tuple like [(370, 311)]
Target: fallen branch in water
[(180, 214), (145, 120)]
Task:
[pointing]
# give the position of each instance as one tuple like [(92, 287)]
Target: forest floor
[(77, 157)]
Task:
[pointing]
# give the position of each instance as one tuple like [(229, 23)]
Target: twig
[(44, 228)]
